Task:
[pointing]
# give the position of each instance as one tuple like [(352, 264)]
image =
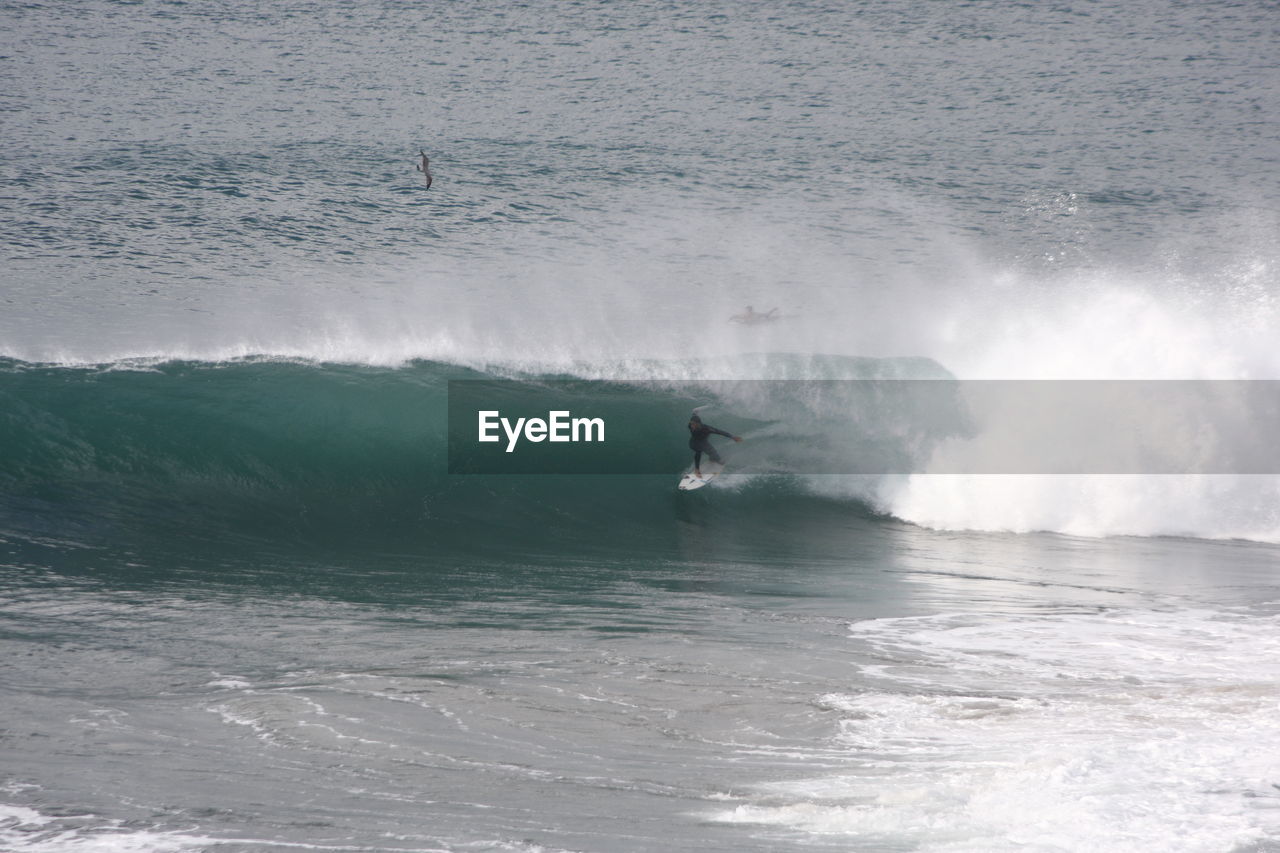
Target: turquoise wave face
[(298, 455)]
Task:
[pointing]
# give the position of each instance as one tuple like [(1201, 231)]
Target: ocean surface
[(244, 606)]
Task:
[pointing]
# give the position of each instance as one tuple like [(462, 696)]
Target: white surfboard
[(689, 481)]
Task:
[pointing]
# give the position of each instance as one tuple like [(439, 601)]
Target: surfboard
[(689, 482)]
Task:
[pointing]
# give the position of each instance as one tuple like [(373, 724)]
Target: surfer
[(750, 317), (700, 443), (424, 167)]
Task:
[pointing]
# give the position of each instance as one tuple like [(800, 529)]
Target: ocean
[(252, 599)]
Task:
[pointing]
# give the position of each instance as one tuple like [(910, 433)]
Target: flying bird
[(424, 167)]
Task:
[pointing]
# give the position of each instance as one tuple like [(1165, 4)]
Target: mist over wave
[(662, 278), (658, 306)]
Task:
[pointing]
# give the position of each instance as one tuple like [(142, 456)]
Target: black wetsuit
[(699, 442)]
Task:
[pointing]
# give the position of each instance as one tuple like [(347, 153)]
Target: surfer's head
[(694, 419)]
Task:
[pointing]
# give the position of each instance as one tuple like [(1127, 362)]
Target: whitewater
[(249, 603)]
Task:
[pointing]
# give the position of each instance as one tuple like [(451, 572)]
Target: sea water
[(246, 607)]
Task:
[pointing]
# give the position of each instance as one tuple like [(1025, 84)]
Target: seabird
[(424, 167)]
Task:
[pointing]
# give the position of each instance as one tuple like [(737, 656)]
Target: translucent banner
[(867, 427)]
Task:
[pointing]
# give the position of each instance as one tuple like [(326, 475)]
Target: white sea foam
[(1106, 326), (1124, 731), (18, 816), (1201, 506), (25, 830)]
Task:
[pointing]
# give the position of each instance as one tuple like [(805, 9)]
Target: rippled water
[(169, 161), (244, 610)]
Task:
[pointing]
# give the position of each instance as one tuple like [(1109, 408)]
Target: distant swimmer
[(751, 317), (425, 167), (700, 442)]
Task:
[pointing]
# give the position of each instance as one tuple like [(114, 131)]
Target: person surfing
[(700, 442)]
